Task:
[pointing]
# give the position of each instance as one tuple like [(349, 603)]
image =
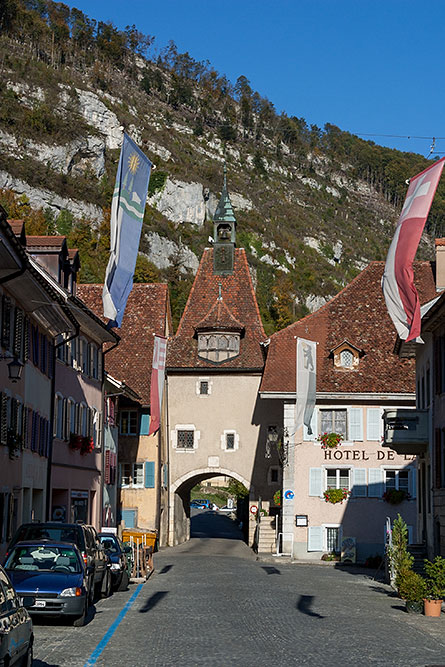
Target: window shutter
[(410, 534), (165, 471), (355, 424), (129, 517), (315, 538), (107, 466), (145, 424), (3, 419), (373, 424), (6, 322), (314, 434), (149, 474), (315, 481), (26, 327), (18, 333), (375, 483), (412, 482), (359, 482)]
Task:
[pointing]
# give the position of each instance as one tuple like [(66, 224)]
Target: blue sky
[(368, 66)]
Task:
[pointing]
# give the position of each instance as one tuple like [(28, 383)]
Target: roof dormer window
[(218, 347), (346, 356)]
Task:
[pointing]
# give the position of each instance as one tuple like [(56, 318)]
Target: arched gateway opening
[(179, 528)]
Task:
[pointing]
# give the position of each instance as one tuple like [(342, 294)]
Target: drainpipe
[(51, 423)]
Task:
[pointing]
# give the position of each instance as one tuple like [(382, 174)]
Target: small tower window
[(204, 387), (230, 441)]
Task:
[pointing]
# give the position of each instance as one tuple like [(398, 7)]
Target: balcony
[(406, 431)]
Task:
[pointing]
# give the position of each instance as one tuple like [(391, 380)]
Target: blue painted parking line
[(112, 629)]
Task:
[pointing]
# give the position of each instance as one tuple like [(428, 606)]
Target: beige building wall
[(368, 464), (231, 407), (143, 499)]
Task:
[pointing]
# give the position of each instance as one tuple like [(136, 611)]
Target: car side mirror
[(127, 549), (27, 601)]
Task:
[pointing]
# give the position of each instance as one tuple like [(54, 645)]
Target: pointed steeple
[(224, 233)]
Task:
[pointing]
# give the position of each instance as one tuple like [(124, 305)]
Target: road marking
[(112, 629)]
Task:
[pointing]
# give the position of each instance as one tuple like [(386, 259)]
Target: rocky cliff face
[(308, 225)]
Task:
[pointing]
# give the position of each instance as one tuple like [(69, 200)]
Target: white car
[(227, 510)]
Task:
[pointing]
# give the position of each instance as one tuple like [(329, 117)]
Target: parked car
[(51, 577), (85, 538), (16, 633), (197, 505), (117, 553)]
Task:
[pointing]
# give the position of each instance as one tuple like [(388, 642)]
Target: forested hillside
[(313, 205)]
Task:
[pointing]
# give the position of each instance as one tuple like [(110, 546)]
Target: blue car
[(50, 577)]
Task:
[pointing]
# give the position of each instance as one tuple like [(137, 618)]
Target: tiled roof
[(16, 226), (219, 318), (45, 241), (440, 242), (238, 296), (146, 313), (72, 252), (359, 314)]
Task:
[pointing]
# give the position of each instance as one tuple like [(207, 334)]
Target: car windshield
[(53, 533), (44, 558), (109, 544)]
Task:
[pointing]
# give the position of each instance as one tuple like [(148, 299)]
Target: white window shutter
[(314, 434), (315, 538), (315, 481), (375, 483), (373, 424), (359, 482), (412, 482), (355, 424)]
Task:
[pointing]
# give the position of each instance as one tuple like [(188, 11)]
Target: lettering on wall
[(362, 455)]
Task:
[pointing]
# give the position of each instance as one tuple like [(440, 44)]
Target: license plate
[(40, 603)]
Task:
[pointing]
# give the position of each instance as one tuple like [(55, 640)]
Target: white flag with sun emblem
[(127, 214)]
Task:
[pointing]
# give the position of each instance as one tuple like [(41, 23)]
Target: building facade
[(358, 377)]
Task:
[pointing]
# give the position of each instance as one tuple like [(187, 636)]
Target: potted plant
[(412, 588), (87, 445), (435, 582), (75, 441), (330, 440), (277, 498), (395, 496), (336, 495)]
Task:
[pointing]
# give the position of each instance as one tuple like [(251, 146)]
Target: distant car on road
[(198, 505), (207, 503), (16, 635), (51, 576)]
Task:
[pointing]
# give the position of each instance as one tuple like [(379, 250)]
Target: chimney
[(440, 265)]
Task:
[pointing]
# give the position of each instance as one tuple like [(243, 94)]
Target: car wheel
[(90, 593), (106, 584), (79, 622), (123, 584), (28, 657)]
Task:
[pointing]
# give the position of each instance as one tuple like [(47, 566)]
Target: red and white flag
[(157, 383), (402, 300)]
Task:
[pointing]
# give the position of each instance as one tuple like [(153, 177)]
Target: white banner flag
[(306, 382)]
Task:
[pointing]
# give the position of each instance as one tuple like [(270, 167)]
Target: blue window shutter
[(355, 424), (375, 483), (145, 424), (315, 481), (412, 481), (165, 475), (315, 538), (373, 424), (129, 517), (359, 482), (149, 474)]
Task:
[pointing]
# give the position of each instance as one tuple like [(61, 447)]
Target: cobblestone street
[(210, 602)]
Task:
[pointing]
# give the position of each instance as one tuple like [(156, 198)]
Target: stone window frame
[(185, 427), (209, 387), (225, 433)]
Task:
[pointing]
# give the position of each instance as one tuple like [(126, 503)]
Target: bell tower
[(224, 234)]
